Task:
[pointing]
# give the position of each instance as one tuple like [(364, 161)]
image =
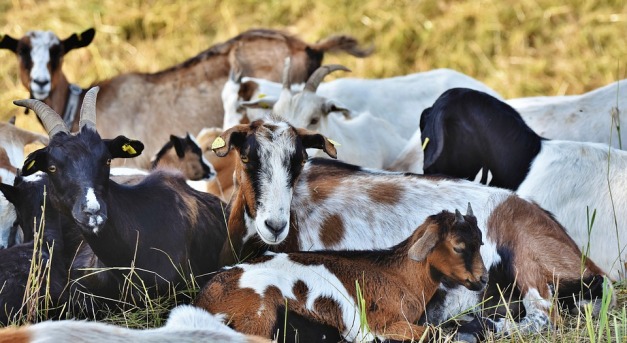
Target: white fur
[(568, 177), (8, 216), (319, 281), (41, 41), (13, 140), (586, 117)]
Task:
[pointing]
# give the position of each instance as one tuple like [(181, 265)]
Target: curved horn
[(49, 118), (458, 217), (88, 110), (286, 73), (469, 210), (315, 78)]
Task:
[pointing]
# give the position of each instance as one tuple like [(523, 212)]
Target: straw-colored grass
[(518, 47)]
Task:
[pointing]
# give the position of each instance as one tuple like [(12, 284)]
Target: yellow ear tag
[(30, 165), (218, 143), (334, 143), (264, 105), (261, 96), (128, 149), (424, 145)]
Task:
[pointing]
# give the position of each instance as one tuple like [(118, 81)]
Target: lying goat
[(141, 105), (288, 203), (394, 285), (469, 131)]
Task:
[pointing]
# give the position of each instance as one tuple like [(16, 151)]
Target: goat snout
[(275, 226), (479, 284), (41, 83)]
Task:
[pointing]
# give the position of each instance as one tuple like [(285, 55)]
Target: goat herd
[(284, 243)]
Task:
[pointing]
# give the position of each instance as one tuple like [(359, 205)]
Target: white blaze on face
[(275, 191), (92, 206), (40, 78)]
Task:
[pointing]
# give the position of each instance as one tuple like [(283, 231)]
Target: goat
[(163, 228), (186, 155), (395, 283), (470, 131), (185, 324), (12, 143), (141, 105), (588, 117), (285, 202)]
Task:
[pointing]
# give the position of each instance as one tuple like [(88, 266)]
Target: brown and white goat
[(394, 284), (12, 142), (287, 203), (179, 98)]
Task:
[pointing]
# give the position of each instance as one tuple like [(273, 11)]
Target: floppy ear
[(179, 145), (432, 127), (8, 42), (312, 139), (419, 251), (265, 102), (334, 106), (233, 137), (123, 147), (35, 161), (80, 40)]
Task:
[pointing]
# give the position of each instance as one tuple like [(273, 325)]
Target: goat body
[(470, 131)]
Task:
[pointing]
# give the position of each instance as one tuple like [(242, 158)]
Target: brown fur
[(189, 164), (14, 335), (395, 288), (222, 186), (332, 230), (388, 193)]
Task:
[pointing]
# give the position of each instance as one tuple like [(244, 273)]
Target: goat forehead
[(276, 141), (42, 39)]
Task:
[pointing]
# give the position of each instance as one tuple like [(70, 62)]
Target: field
[(519, 48)]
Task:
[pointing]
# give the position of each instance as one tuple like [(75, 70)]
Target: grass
[(519, 48)]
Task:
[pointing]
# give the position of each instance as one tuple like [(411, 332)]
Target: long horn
[(458, 217), (49, 118), (286, 73), (315, 78), (469, 210), (88, 110)]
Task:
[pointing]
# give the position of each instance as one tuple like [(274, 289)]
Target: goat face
[(78, 169), (186, 155), (272, 155), (40, 55), (451, 246)]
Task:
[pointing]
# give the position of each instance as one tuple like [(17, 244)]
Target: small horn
[(315, 78), (88, 110), (469, 210), (49, 118), (286, 73), (458, 217)]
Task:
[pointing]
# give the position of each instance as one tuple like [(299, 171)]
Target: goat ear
[(179, 145), (265, 102), (247, 89), (432, 127), (123, 147), (312, 139), (8, 42), (232, 137), (334, 106), (9, 192), (80, 40), (419, 251), (35, 161)]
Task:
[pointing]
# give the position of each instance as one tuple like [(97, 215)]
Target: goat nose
[(41, 83), (275, 226), (484, 279)]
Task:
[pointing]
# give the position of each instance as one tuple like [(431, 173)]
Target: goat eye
[(458, 250), (52, 168), (314, 121), (244, 159), (109, 162)]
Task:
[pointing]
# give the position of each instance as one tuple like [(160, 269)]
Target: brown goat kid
[(179, 98), (395, 283)]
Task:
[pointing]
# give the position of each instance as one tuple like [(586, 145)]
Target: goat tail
[(342, 43)]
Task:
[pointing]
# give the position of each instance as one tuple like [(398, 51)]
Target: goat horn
[(286, 72), (315, 78), (88, 110), (458, 217), (49, 118), (469, 210)]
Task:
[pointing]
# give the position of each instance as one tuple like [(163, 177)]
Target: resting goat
[(12, 142), (470, 130), (288, 203), (163, 228), (395, 284), (141, 105)]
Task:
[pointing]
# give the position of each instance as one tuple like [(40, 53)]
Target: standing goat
[(394, 284), (470, 131), (288, 203), (162, 227), (179, 98)]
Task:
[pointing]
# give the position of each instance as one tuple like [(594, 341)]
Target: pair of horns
[(52, 121), (315, 79), (458, 216)]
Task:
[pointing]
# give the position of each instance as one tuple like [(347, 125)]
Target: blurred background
[(517, 47)]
